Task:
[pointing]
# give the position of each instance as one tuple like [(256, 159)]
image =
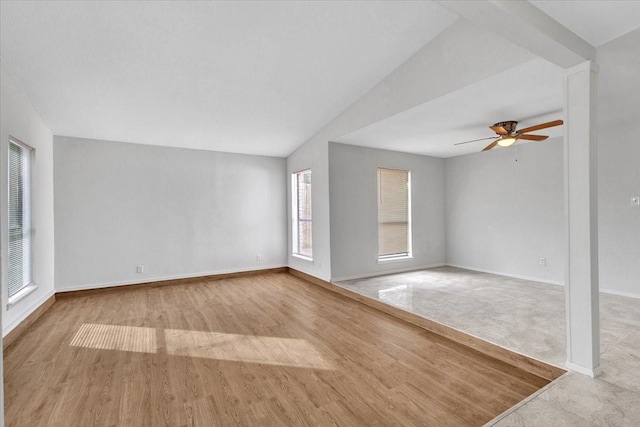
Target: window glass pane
[(393, 213), (303, 214), (19, 218)]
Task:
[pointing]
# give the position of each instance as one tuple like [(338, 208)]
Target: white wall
[(20, 120), (313, 155), (619, 164), (178, 212), (354, 210), (503, 216)]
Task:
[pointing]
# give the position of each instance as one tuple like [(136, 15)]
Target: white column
[(581, 211)]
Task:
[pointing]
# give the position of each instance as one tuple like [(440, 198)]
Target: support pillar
[(581, 214)]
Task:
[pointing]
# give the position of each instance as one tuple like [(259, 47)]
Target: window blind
[(393, 213), (20, 271), (303, 221)]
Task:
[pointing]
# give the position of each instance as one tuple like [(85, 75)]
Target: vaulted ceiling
[(263, 77), (247, 77), (530, 93)]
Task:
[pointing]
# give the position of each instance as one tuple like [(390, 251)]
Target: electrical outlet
[(543, 262), (635, 200), (258, 257), (140, 268)]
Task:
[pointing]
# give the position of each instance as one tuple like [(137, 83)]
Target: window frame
[(381, 259), (30, 286), (295, 215)]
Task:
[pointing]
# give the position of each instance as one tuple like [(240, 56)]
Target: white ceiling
[(595, 21), (531, 93), (247, 77), (263, 77)]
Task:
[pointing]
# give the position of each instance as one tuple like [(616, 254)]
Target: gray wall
[(503, 216), (179, 212), (619, 164), (416, 81), (510, 248), (354, 210), (20, 120)]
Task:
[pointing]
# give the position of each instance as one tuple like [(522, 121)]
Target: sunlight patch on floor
[(115, 337), (244, 348), (398, 295), (210, 345)]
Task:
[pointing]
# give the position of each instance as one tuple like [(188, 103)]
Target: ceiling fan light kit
[(506, 142), (508, 135)]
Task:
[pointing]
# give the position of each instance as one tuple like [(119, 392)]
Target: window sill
[(303, 257), (22, 294), (395, 259)]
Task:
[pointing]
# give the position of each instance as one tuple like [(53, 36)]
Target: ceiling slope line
[(527, 26)]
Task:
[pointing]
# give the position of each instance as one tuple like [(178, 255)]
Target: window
[(394, 214), (302, 224), (20, 273)]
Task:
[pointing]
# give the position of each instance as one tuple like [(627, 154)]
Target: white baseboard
[(160, 279), (515, 276), (550, 282), (621, 293), (8, 328), (480, 270), (582, 370), (385, 272)]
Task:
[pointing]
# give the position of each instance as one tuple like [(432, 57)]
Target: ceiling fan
[(508, 135)]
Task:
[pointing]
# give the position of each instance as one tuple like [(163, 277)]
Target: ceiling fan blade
[(541, 126), (499, 130), (490, 146), (474, 140), (533, 137)]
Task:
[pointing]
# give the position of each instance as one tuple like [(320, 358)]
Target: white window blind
[(394, 232), (20, 269), (302, 218)]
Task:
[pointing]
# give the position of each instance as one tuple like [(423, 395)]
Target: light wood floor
[(262, 350)]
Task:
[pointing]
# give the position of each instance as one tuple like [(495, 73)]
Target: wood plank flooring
[(262, 350)]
